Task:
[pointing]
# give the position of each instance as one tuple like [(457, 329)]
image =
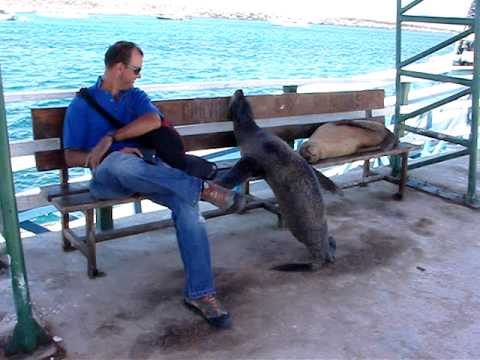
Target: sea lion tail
[(388, 142), (369, 125), (326, 183)]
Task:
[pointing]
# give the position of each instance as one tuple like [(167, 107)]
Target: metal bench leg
[(245, 190), (275, 210), (366, 172), (91, 244), (403, 177), (67, 245)]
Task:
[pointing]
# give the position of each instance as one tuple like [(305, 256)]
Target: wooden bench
[(203, 124)]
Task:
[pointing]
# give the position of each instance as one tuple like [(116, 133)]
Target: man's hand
[(132, 150), (98, 152)]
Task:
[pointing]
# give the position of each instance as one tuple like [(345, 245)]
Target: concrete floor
[(405, 285)]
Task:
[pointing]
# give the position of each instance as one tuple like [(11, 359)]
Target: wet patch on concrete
[(159, 293), (456, 211), (343, 208), (386, 209), (285, 247), (381, 203), (423, 227), (109, 328), (183, 336), (56, 281), (233, 287), (154, 296), (128, 315), (375, 248)]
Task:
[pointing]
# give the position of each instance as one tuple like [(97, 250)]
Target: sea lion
[(345, 138), (293, 181)]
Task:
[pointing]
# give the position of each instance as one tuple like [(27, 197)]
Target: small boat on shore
[(7, 16), (289, 22), (171, 17), (464, 52), (464, 49)]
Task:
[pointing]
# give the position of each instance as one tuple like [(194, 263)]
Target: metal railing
[(22, 151), (472, 88), (27, 334)]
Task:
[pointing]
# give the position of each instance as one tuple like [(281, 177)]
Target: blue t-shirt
[(84, 126)]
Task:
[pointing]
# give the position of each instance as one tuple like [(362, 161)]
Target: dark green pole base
[(26, 339), (395, 165), (443, 193), (104, 218)]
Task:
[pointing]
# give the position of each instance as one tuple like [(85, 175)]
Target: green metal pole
[(395, 160), (27, 334), (472, 167), (104, 218)]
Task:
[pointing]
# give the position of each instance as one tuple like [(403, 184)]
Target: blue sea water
[(51, 53)]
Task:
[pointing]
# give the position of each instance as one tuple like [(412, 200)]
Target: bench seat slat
[(400, 149), (75, 196), (48, 122), (54, 159), (55, 190), (85, 201)]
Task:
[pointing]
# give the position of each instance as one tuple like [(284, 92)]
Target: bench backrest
[(292, 108)]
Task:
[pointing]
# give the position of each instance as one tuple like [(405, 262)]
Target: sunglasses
[(136, 69)]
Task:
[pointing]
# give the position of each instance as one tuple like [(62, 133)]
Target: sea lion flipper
[(326, 183), (388, 141), (244, 169), (362, 124)]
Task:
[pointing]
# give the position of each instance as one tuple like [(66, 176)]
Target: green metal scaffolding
[(472, 26), (27, 335)]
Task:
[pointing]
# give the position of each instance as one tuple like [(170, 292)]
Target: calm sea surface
[(42, 53)]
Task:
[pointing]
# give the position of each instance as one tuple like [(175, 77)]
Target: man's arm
[(138, 127), (142, 125), (76, 158)]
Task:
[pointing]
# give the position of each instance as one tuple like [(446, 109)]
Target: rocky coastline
[(178, 10)]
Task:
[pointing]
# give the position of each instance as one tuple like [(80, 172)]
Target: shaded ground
[(405, 285)]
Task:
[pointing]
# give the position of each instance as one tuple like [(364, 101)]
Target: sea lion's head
[(239, 108), (310, 151)]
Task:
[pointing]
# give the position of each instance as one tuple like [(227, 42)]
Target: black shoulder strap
[(84, 93)]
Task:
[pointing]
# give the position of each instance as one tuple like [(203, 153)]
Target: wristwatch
[(112, 134)]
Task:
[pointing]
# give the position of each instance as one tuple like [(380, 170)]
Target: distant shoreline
[(168, 10)]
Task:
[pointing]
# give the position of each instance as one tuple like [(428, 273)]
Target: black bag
[(166, 142)]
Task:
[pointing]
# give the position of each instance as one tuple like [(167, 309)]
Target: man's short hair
[(120, 52)]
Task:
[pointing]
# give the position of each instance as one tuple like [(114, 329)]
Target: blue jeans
[(121, 175)]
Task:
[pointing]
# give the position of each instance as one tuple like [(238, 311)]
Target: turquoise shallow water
[(48, 53)]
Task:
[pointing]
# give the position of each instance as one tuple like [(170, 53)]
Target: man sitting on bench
[(119, 170)]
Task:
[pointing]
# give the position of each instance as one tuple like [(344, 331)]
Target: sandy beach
[(372, 13)]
